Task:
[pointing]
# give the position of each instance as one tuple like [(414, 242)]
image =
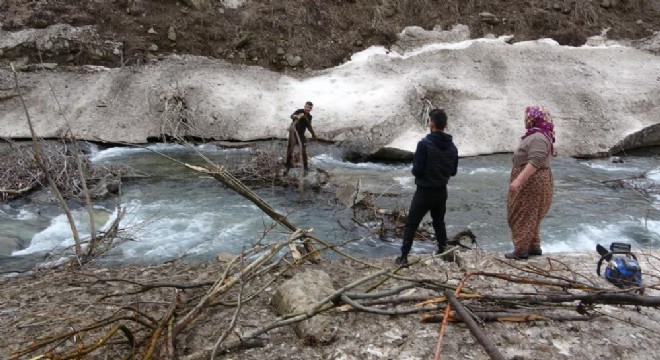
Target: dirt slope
[(273, 33)]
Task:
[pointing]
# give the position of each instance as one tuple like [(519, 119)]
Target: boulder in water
[(9, 244)]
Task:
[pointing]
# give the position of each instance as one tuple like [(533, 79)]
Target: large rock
[(650, 44), (415, 36), (349, 194), (608, 3), (203, 5), (59, 42), (9, 244), (489, 18), (301, 293), (21, 263), (232, 4), (599, 95)]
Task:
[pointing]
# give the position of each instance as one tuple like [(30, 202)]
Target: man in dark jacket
[(302, 121), (435, 161)]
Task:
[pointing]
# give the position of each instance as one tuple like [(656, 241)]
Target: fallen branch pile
[(265, 168), (150, 319), (22, 174)]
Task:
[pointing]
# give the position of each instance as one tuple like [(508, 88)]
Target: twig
[(156, 334), (373, 310), (234, 317), (40, 163)]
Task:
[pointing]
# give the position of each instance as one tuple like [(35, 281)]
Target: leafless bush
[(634, 5), (462, 7), (264, 168), (520, 25), (388, 223), (383, 11), (546, 20), (251, 18), (22, 174), (585, 12), (178, 120), (417, 7)]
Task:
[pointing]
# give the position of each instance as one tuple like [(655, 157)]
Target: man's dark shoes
[(402, 260), (516, 256), (450, 257), (535, 252)]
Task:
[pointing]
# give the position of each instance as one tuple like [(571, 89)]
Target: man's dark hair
[(309, 103), (439, 118)]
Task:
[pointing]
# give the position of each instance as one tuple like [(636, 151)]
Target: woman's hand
[(515, 185), (518, 182)]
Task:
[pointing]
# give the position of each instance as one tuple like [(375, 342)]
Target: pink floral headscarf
[(538, 119)]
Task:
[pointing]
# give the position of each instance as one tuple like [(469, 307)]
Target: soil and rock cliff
[(310, 34)]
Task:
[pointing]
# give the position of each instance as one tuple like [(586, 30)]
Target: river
[(175, 213)]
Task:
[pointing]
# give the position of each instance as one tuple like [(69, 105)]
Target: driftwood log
[(483, 340)]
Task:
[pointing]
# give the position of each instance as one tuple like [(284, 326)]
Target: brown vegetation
[(21, 174)]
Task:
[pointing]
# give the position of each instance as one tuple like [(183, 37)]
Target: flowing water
[(177, 213)]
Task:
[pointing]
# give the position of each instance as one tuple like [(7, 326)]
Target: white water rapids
[(175, 213)]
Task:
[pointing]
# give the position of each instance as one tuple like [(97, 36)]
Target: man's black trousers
[(425, 200)]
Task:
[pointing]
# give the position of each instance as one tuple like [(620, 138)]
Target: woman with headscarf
[(531, 185)]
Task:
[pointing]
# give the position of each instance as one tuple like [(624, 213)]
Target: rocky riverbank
[(50, 302)]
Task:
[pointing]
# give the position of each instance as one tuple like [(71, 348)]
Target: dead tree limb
[(522, 280), (79, 353), (83, 182), (321, 306), (484, 341), (232, 323), (155, 336), (226, 178), (510, 317), (396, 300), (598, 298), (360, 307), (372, 295), (16, 192), (40, 163), (62, 337), (231, 182)]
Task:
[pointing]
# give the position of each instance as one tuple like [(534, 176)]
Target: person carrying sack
[(302, 121)]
